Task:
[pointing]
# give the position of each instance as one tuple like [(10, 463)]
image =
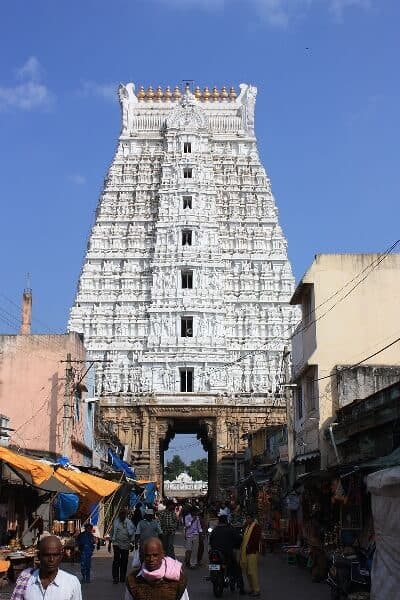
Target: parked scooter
[(350, 573)]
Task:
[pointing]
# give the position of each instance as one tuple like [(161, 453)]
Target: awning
[(86, 485), (50, 478), (36, 470), (306, 456)]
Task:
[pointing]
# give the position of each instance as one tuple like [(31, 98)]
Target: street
[(278, 580)]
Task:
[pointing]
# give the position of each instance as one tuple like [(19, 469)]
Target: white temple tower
[(186, 282)]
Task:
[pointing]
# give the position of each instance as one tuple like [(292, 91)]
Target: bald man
[(48, 582), (158, 578)]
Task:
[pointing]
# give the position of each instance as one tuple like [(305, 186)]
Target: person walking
[(192, 532), (158, 577), (86, 543), (48, 581), (123, 536), (148, 527), (249, 552), (169, 525)]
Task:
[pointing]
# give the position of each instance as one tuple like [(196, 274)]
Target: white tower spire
[(186, 282)]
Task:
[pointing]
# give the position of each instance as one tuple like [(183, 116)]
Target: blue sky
[(327, 120)]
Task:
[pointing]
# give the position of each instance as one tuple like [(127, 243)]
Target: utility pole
[(68, 390), (289, 409)]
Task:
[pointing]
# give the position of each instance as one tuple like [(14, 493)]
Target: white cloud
[(338, 7), (280, 12), (203, 4), (277, 13), (77, 179), (107, 91), (30, 93), (32, 70)]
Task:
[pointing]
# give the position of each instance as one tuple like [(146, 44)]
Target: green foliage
[(197, 469), (175, 467)]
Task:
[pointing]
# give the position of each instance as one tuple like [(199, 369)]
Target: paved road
[(279, 581)]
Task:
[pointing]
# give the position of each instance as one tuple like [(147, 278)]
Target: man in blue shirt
[(85, 541)]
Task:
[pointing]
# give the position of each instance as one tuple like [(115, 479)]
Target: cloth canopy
[(38, 471), (92, 487), (58, 479)]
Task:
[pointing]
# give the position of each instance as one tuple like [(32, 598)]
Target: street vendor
[(158, 578)]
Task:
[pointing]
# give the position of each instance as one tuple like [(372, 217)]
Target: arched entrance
[(203, 430), (220, 422)]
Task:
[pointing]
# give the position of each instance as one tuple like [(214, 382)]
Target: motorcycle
[(218, 574), (350, 573)]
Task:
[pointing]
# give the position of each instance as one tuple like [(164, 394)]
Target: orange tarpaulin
[(90, 486), (38, 471)]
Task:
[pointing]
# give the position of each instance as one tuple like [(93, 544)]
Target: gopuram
[(184, 291)]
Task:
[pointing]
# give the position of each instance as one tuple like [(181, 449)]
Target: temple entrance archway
[(147, 426), (201, 430)]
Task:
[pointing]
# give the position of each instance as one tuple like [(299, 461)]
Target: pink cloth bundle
[(170, 569)]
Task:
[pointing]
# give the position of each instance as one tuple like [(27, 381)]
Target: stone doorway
[(203, 431), (221, 423)]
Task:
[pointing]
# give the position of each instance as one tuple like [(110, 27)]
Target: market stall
[(384, 487), (50, 482)]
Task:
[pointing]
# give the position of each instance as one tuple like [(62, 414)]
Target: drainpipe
[(333, 442)]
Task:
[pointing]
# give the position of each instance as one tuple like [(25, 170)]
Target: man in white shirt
[(48, 582)]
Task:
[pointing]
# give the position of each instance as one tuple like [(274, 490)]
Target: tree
[(175, 467), (198, 469)]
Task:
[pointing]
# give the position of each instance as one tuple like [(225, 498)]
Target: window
[(187, 201), (187, 327), (306, 309), (186, 380), (186, 237), (187, 280), (299, 402), (187, 147), (310, 391), (187, 173)]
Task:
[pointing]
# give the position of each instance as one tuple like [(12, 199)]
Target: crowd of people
[(149, 531)]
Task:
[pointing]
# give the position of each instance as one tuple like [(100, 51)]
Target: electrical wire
[(50, 329), (370, 268), (349, 368)]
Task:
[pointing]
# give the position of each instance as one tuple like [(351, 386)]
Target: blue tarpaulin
[(94, 514), (66, 506), (149, 492), (121, 465), (133, 498)]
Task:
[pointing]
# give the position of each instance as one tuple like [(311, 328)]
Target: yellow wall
[(346, 329)]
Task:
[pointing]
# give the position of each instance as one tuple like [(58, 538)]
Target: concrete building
[(47, 418), (184, 292), (350, 306)]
